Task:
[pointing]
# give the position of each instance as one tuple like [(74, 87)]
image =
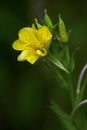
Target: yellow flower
[(33, 43)]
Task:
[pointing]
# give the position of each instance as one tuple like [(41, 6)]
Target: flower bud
[(37, 24), (62, 31), (48, 21)]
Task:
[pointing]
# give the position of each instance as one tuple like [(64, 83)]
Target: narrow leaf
[(56, 62), (64, 117)]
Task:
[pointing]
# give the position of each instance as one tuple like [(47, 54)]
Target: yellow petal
[(44, 36), (23, 55), (27, 36), (19, 45), (29, 55), (32, 58)]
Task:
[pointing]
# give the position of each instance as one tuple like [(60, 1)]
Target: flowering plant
[(51, 42)]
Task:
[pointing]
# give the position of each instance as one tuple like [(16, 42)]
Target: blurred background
[(26, 90)]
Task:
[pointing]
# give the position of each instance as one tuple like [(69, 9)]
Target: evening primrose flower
[(33, 43)]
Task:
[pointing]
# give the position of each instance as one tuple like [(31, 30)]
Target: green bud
[(62, 31), (47, 20), (37, 24)]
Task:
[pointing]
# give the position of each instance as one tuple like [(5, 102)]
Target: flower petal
[(44, 36), (29, 55), (19, 45), (32, 58), (27, 36), (23, 55)]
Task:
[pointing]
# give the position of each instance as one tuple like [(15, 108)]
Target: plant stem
[(71, 91)]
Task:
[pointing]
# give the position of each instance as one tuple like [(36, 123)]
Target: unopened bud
[(37, 24), (48, 21), (62, 31)]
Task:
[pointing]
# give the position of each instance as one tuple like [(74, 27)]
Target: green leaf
[(57, 63), (60, 79), (64, 117)]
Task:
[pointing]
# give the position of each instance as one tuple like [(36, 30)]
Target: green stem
[(71, 92), (70, 77), (67, 54)]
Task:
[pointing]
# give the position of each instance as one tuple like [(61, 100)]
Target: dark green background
[(26, 90)]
